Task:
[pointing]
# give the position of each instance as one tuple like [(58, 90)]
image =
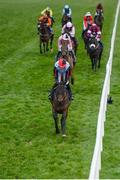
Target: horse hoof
[(63, 135)]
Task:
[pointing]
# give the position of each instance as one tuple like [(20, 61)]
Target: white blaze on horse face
[(92, 45)]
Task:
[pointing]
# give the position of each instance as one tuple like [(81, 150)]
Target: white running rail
[(96, 160)]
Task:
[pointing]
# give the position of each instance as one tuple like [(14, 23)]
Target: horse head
[(92, 45), (60, 93), (66, 19)]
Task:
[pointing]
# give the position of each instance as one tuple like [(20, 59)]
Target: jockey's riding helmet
[(69, 25), (66, 6), (65, 36), (88, 14), (62, 63)]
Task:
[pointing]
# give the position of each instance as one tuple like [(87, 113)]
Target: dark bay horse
[(94, 50), (98, 19), (65, 19), (60, 104), (46, 38)]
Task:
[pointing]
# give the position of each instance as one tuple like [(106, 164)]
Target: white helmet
[(65, 36), (69, 25), (66, 6), (99, 33), (93, 24), (88, 14), (48, 8)]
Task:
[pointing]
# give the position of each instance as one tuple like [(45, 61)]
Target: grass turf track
[(29, 147)]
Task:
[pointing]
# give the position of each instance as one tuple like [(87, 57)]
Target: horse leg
[(92, 63), (100, 58), (55, 116), (44, 47), (63, 123), (47, 43), (95, 64), (40, 47), (72, 78)]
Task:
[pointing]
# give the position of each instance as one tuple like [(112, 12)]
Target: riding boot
[(73, 56), (70, 92)]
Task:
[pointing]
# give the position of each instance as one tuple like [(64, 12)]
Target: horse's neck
[(43, 26), (60, 88), (64, 46), (99, 17)]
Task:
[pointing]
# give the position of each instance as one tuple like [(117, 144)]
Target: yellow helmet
[(48, 8)]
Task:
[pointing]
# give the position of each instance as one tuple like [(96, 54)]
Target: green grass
[(29, 147)]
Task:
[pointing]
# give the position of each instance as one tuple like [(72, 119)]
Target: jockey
[(70, 29), (66, 37), (99, 8), (52, 19), (49, 12), (87, 21), (94, 31), (67, 10), (62, 73), (45, 19)]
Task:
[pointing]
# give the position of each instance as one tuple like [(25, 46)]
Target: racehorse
[(46, 37), (68, 57), (98, 19), (74, 41), (65, 19), (94, 50), (60, 103)]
